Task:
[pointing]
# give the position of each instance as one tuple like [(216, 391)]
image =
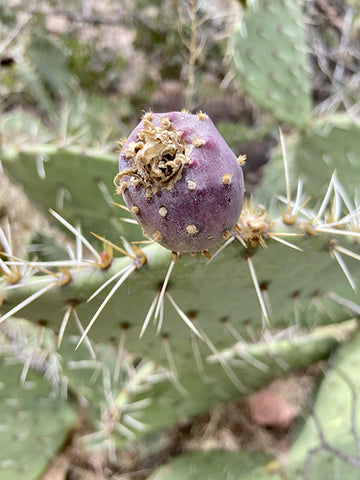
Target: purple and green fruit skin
[(204, 205)]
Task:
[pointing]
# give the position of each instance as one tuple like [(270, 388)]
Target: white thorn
[(258, 291), (163, 289), (183, 316), (81, 330), (40, 170), (64, 324), (325, 199), (149, 315), (76, 233), (344, 268), (347, 252), (335, 231), (170, 357), (26, 302), (286, 170), (228, 241), (288, 244), (111, 279), (105, 192), (106, 300)]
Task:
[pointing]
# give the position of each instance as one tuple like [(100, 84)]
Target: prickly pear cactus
[(270, 55), (213, 465), (222, 296), (327, 445), (73, 181), (330, 143), (207, 321), (34, 422)]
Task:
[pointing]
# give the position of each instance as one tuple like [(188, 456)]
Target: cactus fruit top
[(181, 181)]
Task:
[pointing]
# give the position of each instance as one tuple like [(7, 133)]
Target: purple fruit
[(181, 181)]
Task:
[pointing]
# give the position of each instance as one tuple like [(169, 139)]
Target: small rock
[(269, 410)]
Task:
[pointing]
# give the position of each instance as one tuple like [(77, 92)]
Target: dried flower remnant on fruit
[(157, 157), (184, 179)]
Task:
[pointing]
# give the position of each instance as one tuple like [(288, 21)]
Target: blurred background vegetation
[(80, 72), (77, 72)]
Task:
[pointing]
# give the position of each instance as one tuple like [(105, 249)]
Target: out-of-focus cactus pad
[(270, 56), (331, 143), (34, 423), (77, 184), (214, 465)]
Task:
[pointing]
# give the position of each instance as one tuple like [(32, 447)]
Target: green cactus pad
[(270, 56), (34, 423), (212, 295), (220, 296), (336, 409), (214, 465), (217, 299), (223, 307), (254, 366), (331, 143), (76, 183)]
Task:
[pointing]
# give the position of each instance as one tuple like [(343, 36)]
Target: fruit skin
[(198, 206)]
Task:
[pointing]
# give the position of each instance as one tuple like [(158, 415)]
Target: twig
[(190, 87)]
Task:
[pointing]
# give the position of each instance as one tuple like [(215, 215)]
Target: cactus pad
[(328, 444), (34, 423), (331, 143), (214, 465), (77, 184), (270, 56)]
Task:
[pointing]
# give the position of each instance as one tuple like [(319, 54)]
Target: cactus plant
[(213, 465), (143, 337), (206, 364), (34, 422), (270, 55), (334, 142), (73, 181), (194, 313)]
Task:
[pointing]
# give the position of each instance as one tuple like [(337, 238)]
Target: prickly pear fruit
[(181, 181)]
